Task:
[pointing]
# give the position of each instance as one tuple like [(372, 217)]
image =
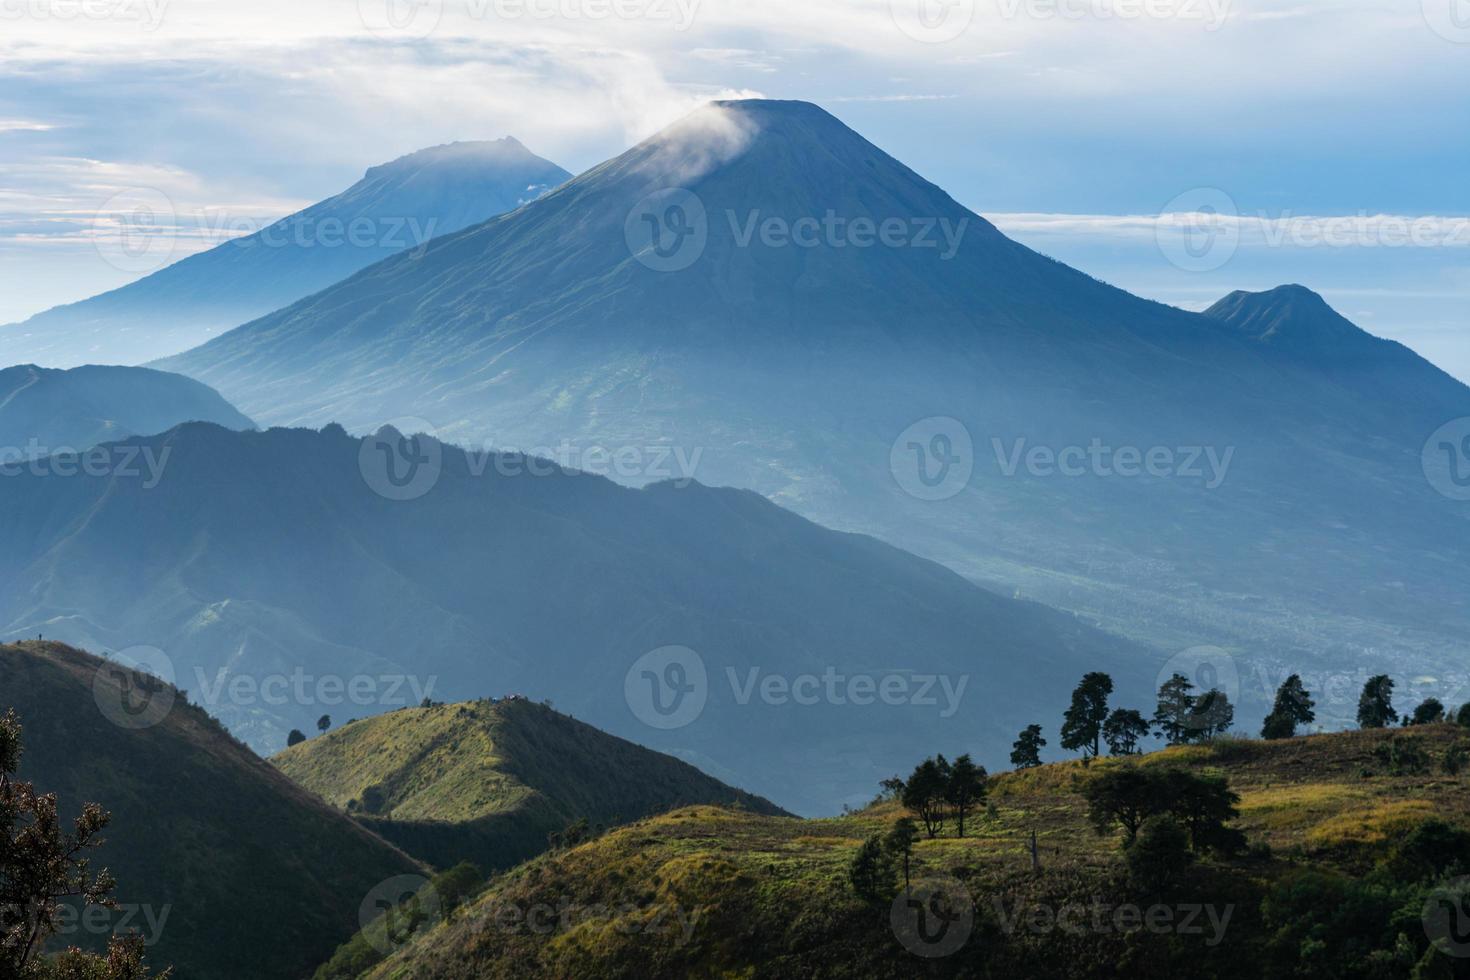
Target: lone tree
[(40, 865), (1462, 717), (1026, 749), (1430, 711), (1082, 723), (1213, 713), (966, 788), (323, 723), (871, 872), (1293, 707), (1375, 705), (295, 738), (1175, 715), (1123, 730), (925, 793), (900, 843)]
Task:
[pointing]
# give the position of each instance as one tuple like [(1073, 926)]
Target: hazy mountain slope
[(44, 411), (708, 892), (396, 206), (487, 782), (1297, 325), (266, 555), (236, 870), (1290, 518)]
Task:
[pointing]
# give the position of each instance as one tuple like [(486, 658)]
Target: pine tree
[(1026, 750), (1293, 707), (1082, 723), (1375, 705)]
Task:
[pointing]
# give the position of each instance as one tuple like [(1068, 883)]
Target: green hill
[(1344, 855), (235, 870), (487, 781)]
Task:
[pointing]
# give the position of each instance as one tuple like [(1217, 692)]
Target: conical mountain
[(808, 298), (395, 207)]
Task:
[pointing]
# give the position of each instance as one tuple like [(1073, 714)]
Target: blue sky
[(1334, 135)]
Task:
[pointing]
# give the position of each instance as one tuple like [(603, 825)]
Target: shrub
[(1160, 857)]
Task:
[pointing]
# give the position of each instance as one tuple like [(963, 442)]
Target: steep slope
[(283, 586), (212, 848), (43, 411), (709, 892), (395, 207), (1155, 471), (488, 781)]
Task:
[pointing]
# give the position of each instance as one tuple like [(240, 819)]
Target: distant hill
[(487, 781), (1296, 326), (395, 207), (1347, 850), (1175, 477), (244, 874), (43, 411), (269, 560)]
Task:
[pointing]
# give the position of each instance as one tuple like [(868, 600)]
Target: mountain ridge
[(395, 206)]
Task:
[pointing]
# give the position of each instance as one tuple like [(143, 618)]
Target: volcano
[(760, 284)]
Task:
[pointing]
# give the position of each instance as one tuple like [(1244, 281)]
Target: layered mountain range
[(284, 576), (762, 288)]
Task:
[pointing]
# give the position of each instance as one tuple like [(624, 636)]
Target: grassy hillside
[(487, 781), (235, 869), (1328, 887)]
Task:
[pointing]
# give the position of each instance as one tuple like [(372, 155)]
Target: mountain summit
[(396, 206)]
